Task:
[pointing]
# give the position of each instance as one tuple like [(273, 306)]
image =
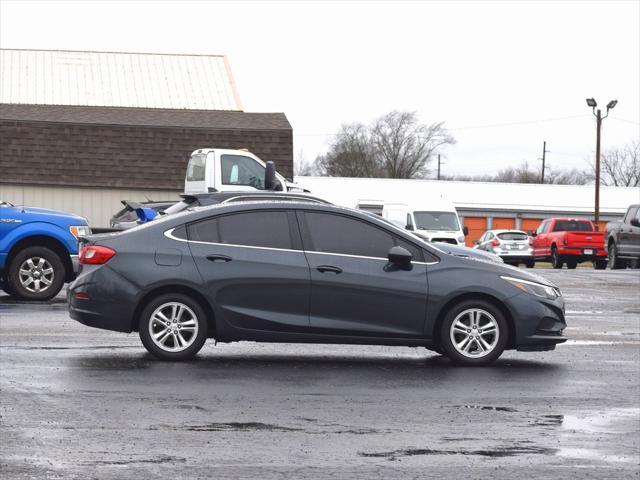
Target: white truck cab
[(221, 170), (435, 221)]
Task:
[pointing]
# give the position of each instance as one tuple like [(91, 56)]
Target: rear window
[(572, 226), (512, 236)]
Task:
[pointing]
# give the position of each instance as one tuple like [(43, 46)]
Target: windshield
[(196, 168), (436, 221), (513, 236)]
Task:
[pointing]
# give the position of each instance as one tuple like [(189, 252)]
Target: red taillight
[(95, 255), (495, 242)]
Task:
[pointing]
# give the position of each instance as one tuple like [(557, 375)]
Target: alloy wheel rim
[(474, 333), (36, 274), (173, 327)]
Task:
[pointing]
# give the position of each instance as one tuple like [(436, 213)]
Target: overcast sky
[(503, 76)]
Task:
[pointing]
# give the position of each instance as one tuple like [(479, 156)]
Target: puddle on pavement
[(484, 407), (577, 343), (499, 452), (609, 421), (238, 427)]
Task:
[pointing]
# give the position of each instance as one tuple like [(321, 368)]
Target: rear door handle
[(329, 268), (218, 258)]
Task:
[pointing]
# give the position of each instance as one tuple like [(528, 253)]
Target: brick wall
[(93, 155)]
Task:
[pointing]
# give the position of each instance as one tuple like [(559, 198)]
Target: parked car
[(570, 241), (510, 245), (310, 273), (38, 250), (623, 240), (128, 217)]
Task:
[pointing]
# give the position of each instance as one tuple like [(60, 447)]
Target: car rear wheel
[(600, 264), (615, 262), (531, 263), (556, 262), (35, 273), (173, 327), (474, 332)]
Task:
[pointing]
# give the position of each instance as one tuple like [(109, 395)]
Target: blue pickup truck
[(38, 250)]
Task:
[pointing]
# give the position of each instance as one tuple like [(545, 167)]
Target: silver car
[(510, 245)]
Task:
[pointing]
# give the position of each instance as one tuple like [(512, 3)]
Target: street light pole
[(598, 114)]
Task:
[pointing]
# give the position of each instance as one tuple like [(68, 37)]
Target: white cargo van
[(436, 221), (222, 170)]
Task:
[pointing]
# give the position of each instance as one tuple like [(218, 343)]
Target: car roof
[(509, 230), (219, 197)]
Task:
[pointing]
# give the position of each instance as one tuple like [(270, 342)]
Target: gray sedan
[(306, 273)]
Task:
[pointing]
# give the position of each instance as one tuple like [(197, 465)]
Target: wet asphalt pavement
[(83, 403)]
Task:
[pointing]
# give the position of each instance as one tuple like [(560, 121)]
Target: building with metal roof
[(80, 131), (481, 205)]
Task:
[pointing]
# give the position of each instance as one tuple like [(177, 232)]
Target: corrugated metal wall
[(97, 205)]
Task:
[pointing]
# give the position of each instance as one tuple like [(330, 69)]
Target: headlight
[(80, 230), (533, 288), (460, 239)]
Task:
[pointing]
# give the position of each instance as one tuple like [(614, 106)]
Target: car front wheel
[(173, 327), (474, 332), (35, 273)]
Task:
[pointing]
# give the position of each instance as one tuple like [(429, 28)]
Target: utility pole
[(544, 152), (598, 114), (439, 163)]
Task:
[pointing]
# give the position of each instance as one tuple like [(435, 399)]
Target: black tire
[(15, 286), (615, 262), (572, 264), (151, 345), (531, 263), (556, 260), (450, 350), (600, 264)]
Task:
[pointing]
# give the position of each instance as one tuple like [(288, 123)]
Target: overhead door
[(477, 226), (530, 224), (504, 223)]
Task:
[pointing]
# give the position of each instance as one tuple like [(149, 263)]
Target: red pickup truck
[(569, 240)]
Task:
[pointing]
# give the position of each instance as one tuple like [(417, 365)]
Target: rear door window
[(252, 229)]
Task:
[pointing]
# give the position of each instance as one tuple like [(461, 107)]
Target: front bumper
[(540, 323)]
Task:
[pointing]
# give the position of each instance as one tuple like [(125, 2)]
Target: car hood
[(510, 271), (44, 214)]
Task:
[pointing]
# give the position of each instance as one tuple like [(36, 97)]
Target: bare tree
[(404, 147), (350, 154), (520, 174), (620, 166), (573, 176), (302, 166), (523, 173)]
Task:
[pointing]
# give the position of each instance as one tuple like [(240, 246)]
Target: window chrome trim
[(169, 234)]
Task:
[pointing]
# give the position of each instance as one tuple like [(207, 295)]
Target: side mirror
[(400, 256), (146, 214), (270, 176), (635, 222), (409, 227), (465, 230)]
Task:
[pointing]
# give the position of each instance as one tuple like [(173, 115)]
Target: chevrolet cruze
[(306, 273)]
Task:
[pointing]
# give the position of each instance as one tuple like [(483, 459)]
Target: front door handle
[(218, 258), (329, 268)]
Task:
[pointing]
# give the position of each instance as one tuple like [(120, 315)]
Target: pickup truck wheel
[(556, 262), (615, 263), (600, 264), (35, 273)]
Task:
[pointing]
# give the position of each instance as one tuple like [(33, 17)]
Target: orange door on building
[(477, 226), (530, 224), (504, 223)]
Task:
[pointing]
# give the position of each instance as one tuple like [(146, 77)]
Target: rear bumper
[(520, 258), (580, 252)]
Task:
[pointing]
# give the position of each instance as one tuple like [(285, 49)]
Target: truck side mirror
[(465, 230), (409, 227), (635, 222), (270, 176)]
